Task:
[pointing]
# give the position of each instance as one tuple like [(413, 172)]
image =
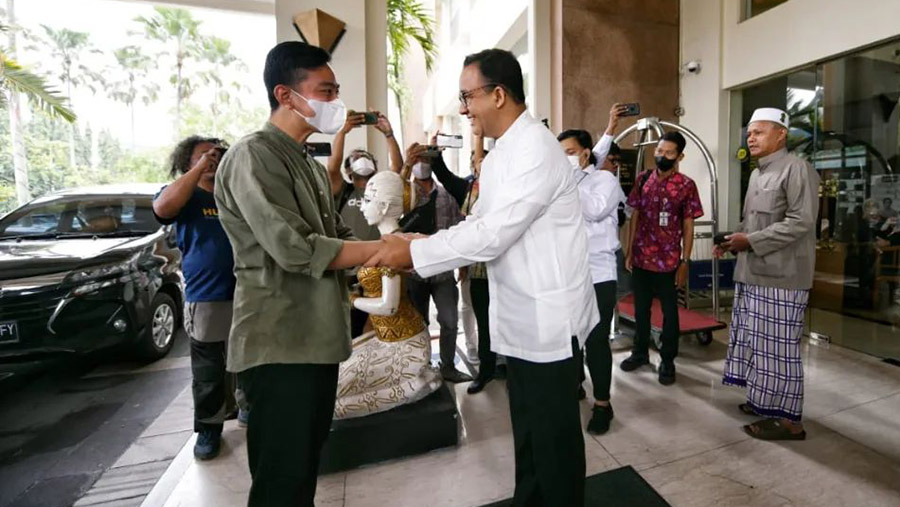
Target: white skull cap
[(771, 114)]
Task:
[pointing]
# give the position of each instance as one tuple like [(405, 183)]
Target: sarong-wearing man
[(776, 248)]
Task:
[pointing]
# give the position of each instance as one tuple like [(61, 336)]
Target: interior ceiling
[(251, 6)]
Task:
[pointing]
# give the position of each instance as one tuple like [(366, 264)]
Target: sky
[(109, 22)]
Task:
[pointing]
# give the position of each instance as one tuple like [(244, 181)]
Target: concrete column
[(618, 51), (540, 47), (707, 107), (376, 74)]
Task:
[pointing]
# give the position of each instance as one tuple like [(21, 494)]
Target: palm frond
[(15, 78)]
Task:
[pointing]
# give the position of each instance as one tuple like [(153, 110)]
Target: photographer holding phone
[(349, 184), (207, 265), (600, 195)]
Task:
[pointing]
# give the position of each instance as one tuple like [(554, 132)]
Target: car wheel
[(159, 334)]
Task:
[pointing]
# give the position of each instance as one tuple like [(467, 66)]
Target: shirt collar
[(520, 123), (591, 169), (774, 157), (282, 136)]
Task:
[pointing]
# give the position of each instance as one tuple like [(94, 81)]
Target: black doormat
[(620, 487)]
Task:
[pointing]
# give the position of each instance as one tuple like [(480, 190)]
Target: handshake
[(393, 251)]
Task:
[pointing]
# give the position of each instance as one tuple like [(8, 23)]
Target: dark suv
[(86, 269)]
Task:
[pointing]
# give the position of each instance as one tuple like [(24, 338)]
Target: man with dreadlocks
[(208, 268)]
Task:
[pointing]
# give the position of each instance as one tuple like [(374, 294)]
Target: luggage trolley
[(690, 322)]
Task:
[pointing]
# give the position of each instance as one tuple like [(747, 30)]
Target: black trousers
[(293, 405), (358, 319), (647, 284), (599, 355), (213, 387), (546, 423), (481, 299), (446, 300)]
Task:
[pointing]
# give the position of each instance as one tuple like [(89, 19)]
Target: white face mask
[(575, 160), (330, 116), (362, 166), (422, 171)]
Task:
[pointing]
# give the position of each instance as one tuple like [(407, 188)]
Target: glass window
[(84, 215), (757, 7), (845, 120)]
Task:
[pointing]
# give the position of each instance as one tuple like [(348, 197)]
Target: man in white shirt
[(600, 195), (529, 230)]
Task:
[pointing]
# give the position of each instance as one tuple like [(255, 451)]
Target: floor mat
[(619, 487)]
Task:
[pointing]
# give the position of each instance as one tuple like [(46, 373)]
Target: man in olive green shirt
[(291, 326)]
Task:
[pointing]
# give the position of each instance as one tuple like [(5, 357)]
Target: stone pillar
[(618, 51)]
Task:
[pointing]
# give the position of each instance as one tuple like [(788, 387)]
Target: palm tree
[(69, 48), (135, 67), (407, 22), (174, 26), (16, 80), (217, 52)]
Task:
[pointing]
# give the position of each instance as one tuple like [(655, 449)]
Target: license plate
[(9, 332)]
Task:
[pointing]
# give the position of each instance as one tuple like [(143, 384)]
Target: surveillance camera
[(692, 66)]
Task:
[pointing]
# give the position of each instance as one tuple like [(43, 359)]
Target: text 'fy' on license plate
[(9, 332)]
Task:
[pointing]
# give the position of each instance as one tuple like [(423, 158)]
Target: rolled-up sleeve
[(484, 237), (265, 201)]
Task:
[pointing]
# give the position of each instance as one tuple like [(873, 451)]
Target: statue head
[(383, 198)]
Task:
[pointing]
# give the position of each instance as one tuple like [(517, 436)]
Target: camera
[(449, 141), (370, 118), (693, 67), (631, 109)]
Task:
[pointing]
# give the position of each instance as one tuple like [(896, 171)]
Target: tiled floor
[(685, 440)]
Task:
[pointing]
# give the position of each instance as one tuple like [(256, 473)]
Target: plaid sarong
[(764, 348)]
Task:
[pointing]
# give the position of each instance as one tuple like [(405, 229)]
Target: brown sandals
[(772, 429)]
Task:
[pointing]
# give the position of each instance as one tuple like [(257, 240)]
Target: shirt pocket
[(767, 207), (776, 264)]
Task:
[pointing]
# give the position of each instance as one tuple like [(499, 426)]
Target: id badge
[(663, 218)]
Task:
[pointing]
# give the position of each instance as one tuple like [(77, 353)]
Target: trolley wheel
[(705, 338)]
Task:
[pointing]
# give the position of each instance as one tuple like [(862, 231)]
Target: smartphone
[(449, 141), (319, 149), (432, 151), (631, 109), (370, 118), (720, 237)]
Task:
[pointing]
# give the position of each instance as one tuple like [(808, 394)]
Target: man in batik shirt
[(665, 205)]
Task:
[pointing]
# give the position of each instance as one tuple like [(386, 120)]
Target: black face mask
[(665, 164)]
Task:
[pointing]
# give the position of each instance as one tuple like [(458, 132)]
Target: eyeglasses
[(615, 161), (465, 95)]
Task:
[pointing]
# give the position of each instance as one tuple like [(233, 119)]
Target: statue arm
[(389, 301)]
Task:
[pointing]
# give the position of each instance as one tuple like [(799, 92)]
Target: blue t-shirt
[(207, 259)]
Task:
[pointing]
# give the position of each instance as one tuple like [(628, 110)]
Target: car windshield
[(81, 216)]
